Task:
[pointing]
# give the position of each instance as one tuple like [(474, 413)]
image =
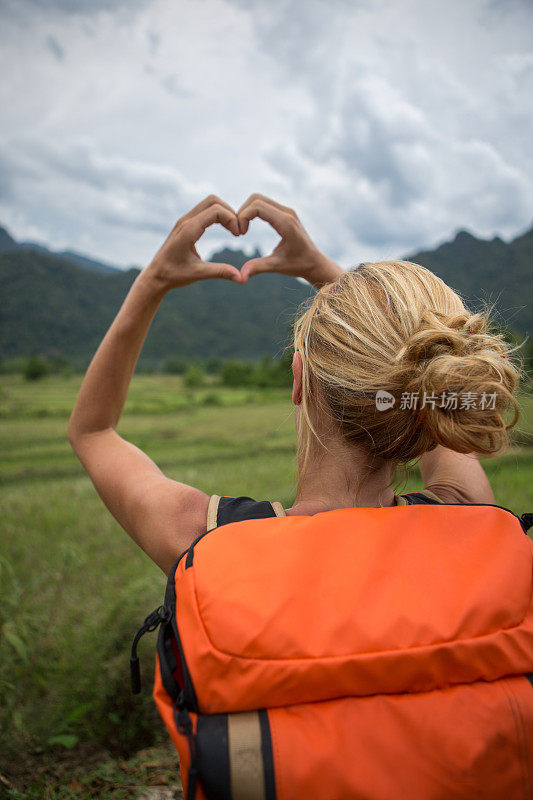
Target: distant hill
[(63, 303), (52, 306), (7, 243), (488, 270)]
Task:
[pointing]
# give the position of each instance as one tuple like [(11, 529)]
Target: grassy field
[(75, 589)]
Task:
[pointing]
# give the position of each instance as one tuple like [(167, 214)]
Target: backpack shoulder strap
[(526, 521), (222, 510), (419, 498)]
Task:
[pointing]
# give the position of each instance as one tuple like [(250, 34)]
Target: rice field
[(74, 588)]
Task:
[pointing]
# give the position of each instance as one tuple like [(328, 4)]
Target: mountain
[(488, 271), (63, 303), (51, 306), (85, 262), (7, 243)]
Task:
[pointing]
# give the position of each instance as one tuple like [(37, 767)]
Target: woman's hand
[(177, 262), (295, 255)]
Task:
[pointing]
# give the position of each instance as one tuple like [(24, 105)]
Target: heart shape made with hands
[(293, 252)]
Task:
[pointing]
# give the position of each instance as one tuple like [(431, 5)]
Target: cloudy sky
[(387, 124)]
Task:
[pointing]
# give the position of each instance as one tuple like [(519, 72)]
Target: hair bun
[(459, 335), (463, 380)]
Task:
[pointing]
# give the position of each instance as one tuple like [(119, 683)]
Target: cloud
[(404, 148), (299, 36), (78, 7), (395, 179), (87, 190), (55, 48), (386, 125)]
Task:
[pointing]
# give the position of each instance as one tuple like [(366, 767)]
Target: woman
[(392, 327)]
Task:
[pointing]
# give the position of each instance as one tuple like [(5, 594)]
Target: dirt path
[(85, 773), (165, 793)]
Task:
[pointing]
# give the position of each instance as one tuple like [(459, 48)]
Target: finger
[(243, 223), (213, 269), (211, 200), (265, 199), (211, 215), (257, 266), (279, 220)]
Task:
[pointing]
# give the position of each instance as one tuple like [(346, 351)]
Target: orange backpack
[(367, 653)]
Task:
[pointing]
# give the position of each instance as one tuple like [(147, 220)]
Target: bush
[(36, 368), (60, 365), (236, 373), (267, 372), (175, 366), (211, 399), (213, 365), (13, 366), (273, 373), (194, 377)]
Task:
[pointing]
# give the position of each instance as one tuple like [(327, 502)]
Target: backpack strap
[(212, 511), (526, 520), (223, 510), (418, 498)]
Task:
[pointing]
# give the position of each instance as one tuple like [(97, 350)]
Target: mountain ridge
[(8, 244), (488, 272), (63, 303)]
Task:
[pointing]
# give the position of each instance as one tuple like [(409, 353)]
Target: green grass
[(75, 588)]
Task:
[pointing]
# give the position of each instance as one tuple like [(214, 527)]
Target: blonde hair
[(397, 327)]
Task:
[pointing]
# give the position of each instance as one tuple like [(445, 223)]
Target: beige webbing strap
[(247, 775), (278, 509), (212, 509)]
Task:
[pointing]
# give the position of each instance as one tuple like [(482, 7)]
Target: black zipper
[(165, 614), (151, 623), (185, 727), (189, 695), (184, 698), (167, 660)]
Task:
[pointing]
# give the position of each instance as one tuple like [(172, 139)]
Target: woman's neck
[(331, 480)]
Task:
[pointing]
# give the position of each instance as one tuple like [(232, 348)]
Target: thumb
[(256, 266), (224, 271)]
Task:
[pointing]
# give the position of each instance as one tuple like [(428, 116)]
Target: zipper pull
[(183, 720), (526, 521), (150, 624)]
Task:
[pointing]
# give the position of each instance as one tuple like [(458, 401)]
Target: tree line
[(195, 373), (263, 372)]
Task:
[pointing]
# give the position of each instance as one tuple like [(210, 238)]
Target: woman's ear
[(297, 372)]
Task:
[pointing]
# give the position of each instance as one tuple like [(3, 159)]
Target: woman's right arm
[(455, 477)]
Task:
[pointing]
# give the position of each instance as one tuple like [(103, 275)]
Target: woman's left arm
[(162, 515)]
